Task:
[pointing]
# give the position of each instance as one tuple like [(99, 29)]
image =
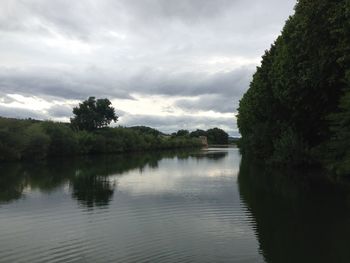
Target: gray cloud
[(65, 111), (60, 111), (181, 10), (232, 83), (63, 49), (169, 124), (60, 83), (83, 19), (68, 85), (20, 113), (217, 103)]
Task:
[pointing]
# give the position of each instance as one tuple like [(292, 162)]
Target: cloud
[(66, 84), (232, 83), (60, 111), (200, 54), (83, 19), (217, 103), (12, 112), (61, 83), (5, 99), (169, 124)]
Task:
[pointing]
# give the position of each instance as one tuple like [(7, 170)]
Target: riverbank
[(37, 140)]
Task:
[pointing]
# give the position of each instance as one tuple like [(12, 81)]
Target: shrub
[(62, 139), (37, 143)]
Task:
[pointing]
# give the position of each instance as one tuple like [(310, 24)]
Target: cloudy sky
[(163, 63)]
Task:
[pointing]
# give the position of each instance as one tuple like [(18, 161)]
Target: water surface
[(165, 207)]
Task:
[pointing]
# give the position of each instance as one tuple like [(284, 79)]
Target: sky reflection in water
[(165, 207)]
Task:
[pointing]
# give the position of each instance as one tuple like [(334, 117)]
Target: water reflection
[(296, 219), (92, 190), (88, 177), (11, 185), (169, 206), (173, 207)]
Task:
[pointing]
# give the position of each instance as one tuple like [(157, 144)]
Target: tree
[(181, 133), (93, 114), (146, 130), (338, 152), (217, 136), (198, 133), (299, 84)]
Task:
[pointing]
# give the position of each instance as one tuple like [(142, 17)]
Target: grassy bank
[(32, 139)]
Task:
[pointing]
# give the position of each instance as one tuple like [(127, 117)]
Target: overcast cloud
[(193, 59)]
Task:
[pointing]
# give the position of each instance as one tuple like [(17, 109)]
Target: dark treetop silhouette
[(92, 114)]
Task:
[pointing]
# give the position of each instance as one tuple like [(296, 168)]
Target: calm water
[(206, 206)]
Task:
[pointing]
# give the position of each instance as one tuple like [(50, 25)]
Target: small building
[(204, 140)]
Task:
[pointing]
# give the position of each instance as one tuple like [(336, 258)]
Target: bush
[(11, 145), (37, 143), (62, 139), (29, 139), (85, 141)]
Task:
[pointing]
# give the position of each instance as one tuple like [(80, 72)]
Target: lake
[(200, 206)]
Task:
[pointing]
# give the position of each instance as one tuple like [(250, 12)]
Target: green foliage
[(28, 139), (180, 133), (37, 142), (338, 151), (217, 136), (85, 141), (10, 145), (92, 114), (63, 139), (146, 130), (198, 133), (284, 116), (214, 136), (289, 147), (12, 138)]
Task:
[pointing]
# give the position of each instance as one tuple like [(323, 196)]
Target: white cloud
[(195, 57)]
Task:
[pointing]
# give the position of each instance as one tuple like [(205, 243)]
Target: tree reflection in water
[(11, 183), (296, 219), (92, 190), (88, 177)]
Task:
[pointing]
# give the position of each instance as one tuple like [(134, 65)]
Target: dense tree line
[(88, 133), (30, 139), (297, 109), (214, 135)]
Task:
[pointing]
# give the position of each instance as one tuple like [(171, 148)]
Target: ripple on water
[(182, 210)]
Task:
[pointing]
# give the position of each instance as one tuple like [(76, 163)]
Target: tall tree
[(92, 114), (217, 136), (198, 133), (284, 116), (181, 133)]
